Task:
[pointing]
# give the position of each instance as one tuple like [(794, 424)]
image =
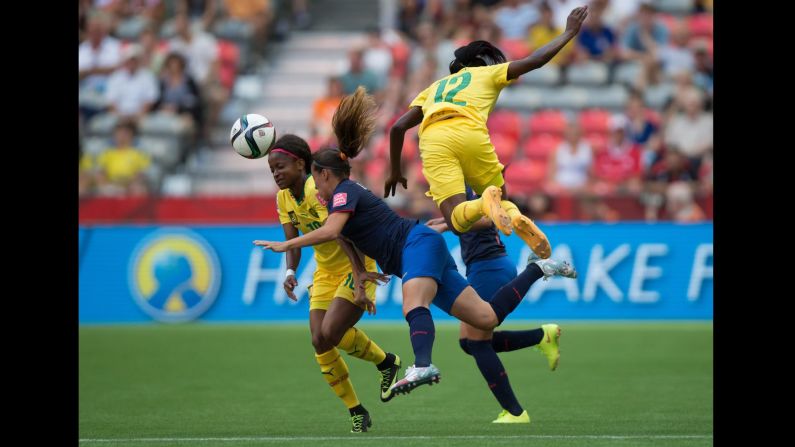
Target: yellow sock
[(465, 214), (356, 343), (335, 371), (510, 208)]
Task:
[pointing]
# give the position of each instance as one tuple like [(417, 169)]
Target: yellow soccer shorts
[(456, 151), (327, 286)]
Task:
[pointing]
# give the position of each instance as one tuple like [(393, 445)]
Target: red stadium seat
[(505, 122), (538, 147), (595, 120), (376, 168), (547, 121), (526, 176), (598, 141), (514, 48), (505, 147), (700, 25)]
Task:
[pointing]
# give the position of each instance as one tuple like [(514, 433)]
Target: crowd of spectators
[(661, 157)]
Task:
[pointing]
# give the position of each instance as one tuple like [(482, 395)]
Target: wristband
[(289, 272)]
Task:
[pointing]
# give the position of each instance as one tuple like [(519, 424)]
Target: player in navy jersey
[(401, 247), (487, 268)]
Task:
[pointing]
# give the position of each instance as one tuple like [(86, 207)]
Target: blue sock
[(422, 333), (504, 341), (492, 370), (510, 295)]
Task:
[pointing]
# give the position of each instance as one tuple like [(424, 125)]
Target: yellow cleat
[(550, 345), (491, 198), (507, 418), (532, 235)]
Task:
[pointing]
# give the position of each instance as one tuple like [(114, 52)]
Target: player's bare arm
[(544, 54), (293, 259), (328, 232), (396, 134)]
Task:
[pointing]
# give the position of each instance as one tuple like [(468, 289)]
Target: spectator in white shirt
[(132, 89), (198, 47), (691, 131), (515, 17), (570, 165), (98, 56)]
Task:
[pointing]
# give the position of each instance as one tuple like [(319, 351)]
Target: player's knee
[(331, 335), (464, 343), (319, 343)]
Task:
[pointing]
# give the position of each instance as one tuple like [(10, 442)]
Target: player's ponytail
[(295, 146), (353, 123), (476, 54)]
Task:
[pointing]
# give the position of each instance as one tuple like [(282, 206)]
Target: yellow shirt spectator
[(541, 35), (122, 164)]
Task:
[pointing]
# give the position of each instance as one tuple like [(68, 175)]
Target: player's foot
[(551, 267), (388, 378), (491, 207), (506, 417), (550, 345), (415, 377), (531, 235), (361, 422)]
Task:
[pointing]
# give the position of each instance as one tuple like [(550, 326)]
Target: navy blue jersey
[(377, 231), (480, 245)]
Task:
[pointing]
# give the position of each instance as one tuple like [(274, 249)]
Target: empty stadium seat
[(613, 97), (594, 120), (131, 28), (162, 124), (627, 73), (526, 176), (505, 122), (547, 75), (523, 98), (656, 96), (587, 73), (102, 124), (95, 145), (538, 147), (505, 146), (679, 7), (700, 25), (547, 121), (568, 97), (165, 151)]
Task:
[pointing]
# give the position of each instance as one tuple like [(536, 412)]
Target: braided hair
[(296, 146), (476, 54), (353, 123)]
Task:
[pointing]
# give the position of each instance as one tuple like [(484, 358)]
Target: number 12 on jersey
[(462, 80)]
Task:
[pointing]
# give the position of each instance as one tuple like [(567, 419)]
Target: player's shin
[(510, 295), (335, 371), (422, 333)]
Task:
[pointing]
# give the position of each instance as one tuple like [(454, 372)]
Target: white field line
[(370, 438)]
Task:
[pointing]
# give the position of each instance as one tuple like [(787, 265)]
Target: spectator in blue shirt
[(596, 40)]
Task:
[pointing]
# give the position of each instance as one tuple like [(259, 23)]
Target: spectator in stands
[(358, 75), (676, 56), (203, 11), (544, 31), (132, 89), (570, 165), (641, 130), (680, 204), (703, 76), (617, 167), (377, 55), (515, 17), (179, 93), (593, 208), (642, 41), (618, 13), (85, 180), (408, 16), (539, 207), (431, 44), (121, 170), (153, 54), (323, 108), (671, 167), (258, 14), (691, 131), (596, 40), (98, 56)]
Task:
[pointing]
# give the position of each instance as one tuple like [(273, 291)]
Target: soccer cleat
[(388, 378), (490, 200), (507, 418), (361, 422), (550, 345), (531, 235), (551, 267), (415, 377)]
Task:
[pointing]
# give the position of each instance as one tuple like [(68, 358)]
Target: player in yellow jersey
[(454, 140), (332, 312)]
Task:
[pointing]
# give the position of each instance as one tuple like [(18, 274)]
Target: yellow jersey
[(308, 215), (123, 164), (472, 93)]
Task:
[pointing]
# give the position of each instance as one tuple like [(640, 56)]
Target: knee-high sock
[(422, 333), (356, 343), (335, 371), (465, 214), (492, 370), (504, 341), (510, 208), (510, 295)]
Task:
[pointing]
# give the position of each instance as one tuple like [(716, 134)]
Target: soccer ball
[(253, 136)]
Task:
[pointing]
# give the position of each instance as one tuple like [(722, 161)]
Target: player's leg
[(338, 328), (332, 366)]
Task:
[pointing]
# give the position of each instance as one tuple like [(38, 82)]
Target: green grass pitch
[(618, 384)]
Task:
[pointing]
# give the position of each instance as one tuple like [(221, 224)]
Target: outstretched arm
[(293, 259), (328, 232), (544, 54), (409, 119)]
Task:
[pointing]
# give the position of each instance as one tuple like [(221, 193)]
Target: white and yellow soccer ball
[(253, 136)]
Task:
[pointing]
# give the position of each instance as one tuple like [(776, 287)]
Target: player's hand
[(374, 277), (391, 184), (360, 299), (438, 224), (575, 19), (289, 285), (278, 247)]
